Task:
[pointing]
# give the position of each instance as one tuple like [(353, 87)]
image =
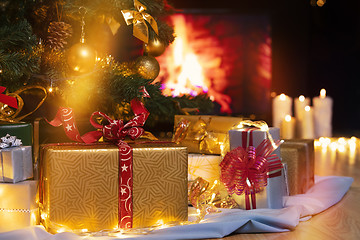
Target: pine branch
[(17, 36), (19, 57)]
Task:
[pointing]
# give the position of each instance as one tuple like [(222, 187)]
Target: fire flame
[(191, 64)]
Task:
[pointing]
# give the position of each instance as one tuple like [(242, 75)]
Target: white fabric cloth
[(326, 192)]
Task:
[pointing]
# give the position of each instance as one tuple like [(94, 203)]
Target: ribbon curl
[(139, 18), (206, 197), (14, 100)]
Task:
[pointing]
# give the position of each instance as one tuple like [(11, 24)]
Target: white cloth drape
[(326, 192)]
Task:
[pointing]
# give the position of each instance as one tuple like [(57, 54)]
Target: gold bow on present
[(208, 141), (138, 18), (207, 197), (8, 114)]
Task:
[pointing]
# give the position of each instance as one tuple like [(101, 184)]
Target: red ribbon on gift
[(245, 169), (115, 131), (11, 101)]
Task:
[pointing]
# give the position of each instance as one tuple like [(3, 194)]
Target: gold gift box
[(205, 166), (217, 128), (80, 186), (299, 156)]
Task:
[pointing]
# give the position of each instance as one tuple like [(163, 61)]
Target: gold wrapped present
[(205, 166), (203, 133), (18, 206), (299, 156), (81, 191)]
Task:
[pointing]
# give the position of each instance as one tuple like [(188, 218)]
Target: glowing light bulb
[(84, 53), (288, 118), (282, 97), (50, 89), (301, 98), (60, 230), (322, 93), (43, 216), (342, 141)]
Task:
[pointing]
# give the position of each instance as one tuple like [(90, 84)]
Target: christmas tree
[(91, 55)]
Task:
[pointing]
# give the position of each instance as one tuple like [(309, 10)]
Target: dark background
[(312, 48)]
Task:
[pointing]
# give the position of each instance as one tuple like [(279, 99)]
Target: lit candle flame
[(282, 97), (307, 108), (301, 98), (287, 118), (322, 93)]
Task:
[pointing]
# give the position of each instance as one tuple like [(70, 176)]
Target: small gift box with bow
[(113, 184), (252, 171), (15, 160), (18, 207), (204, 134)]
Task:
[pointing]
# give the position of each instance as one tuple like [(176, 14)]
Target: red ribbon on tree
[(245, 169), (115, 131), (11, 101)]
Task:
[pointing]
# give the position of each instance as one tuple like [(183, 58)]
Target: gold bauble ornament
[(81, 58), (147, 67), (154, 48)]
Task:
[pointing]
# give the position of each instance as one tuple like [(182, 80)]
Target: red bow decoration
[(246, 171), (11, 101), (115, 131)]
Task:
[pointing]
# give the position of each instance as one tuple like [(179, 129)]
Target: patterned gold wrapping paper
[(216, 128), (80, 186), (299, 156), (205, 166)]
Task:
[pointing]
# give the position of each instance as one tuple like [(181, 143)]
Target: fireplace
[(225, 54)]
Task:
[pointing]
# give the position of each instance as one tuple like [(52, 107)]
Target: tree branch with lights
[(94, 55)]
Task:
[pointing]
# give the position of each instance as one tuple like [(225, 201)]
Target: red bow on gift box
[(244, 170), (115, 131)]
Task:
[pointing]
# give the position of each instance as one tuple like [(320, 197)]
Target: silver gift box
[(273, 195), (16, 164)]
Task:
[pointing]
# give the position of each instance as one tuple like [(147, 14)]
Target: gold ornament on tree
[(147, 67), (81, 57), (154, 47)]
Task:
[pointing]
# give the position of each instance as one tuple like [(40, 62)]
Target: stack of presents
[(128, 182)]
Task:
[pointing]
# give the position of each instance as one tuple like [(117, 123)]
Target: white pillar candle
[(281, 106), (299, 107), (287, 129), (307, 124), (323, 115)]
